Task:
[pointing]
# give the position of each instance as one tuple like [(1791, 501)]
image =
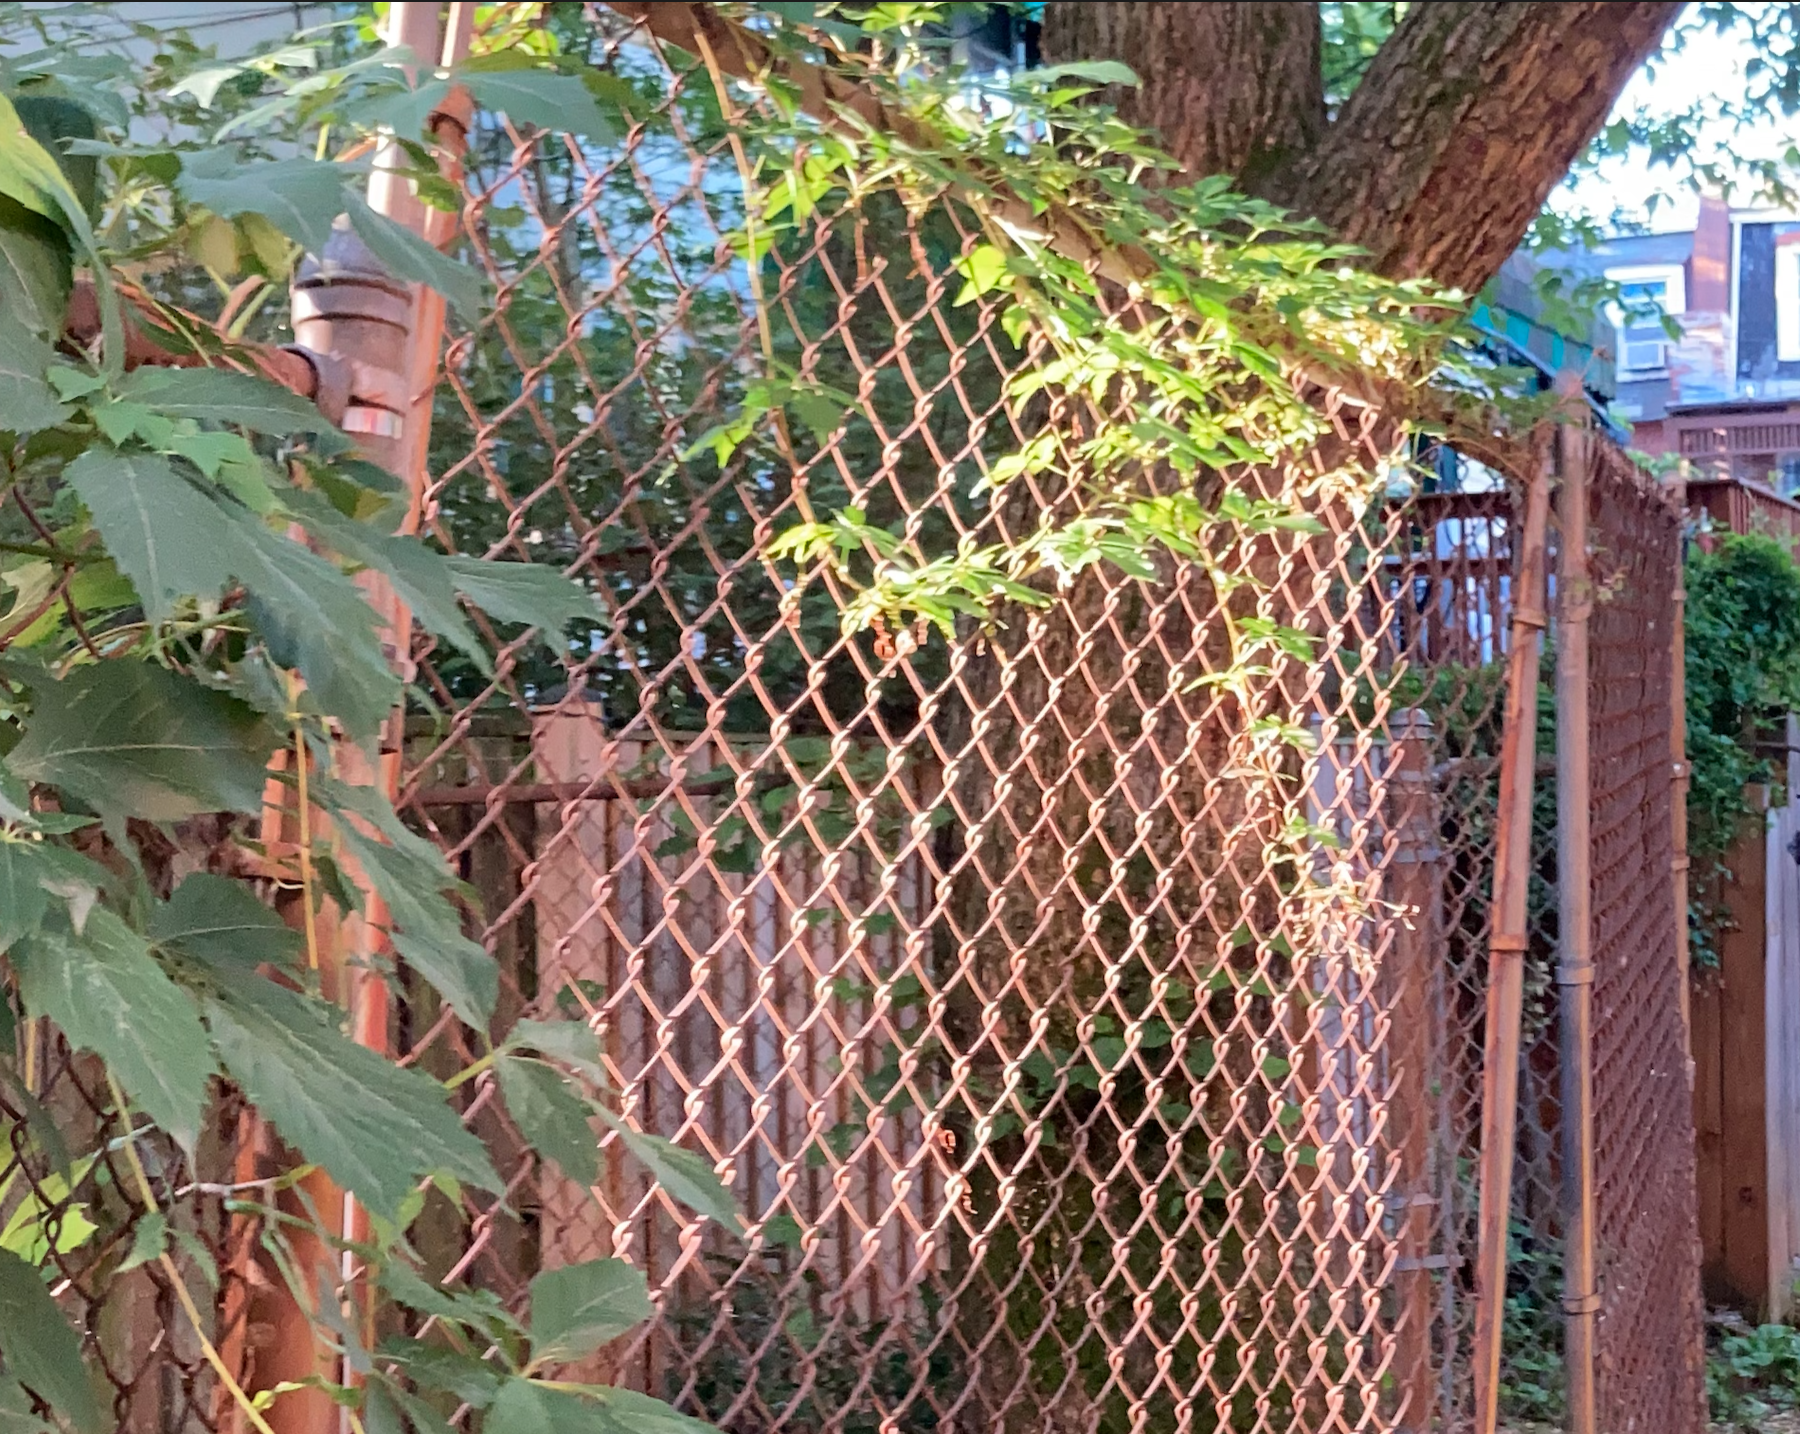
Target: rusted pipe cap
[(348, 282)]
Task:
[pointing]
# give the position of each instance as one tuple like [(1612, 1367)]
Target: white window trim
[(1673, 278), (1787, 303)]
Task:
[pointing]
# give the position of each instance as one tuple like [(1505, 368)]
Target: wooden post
[(1506, 947), (1415, 881), (1575, 966)]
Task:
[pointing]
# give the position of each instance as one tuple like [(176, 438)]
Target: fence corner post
[(1575, 966)]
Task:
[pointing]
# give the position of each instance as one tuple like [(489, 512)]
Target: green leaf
[(410, 258), (528, 1406), (215, 395), (524, 1406), (560, 103), (578, 1308), (300, 197), (27, 402), (41, 1351), (572, 1042), (127, 738), (683, 1175), (219, 923), (34, 872), (316, 621), (471, 1381), (427, 932), (148, 1241), (28, 173), (550, 1116), (36, 271), (1096, 72), (477, 1308), (108, 996), (17, 1416), (625, 1411), (983, 268), (167, 536), (402, 110), (419, 574), (538, 596), (377, 1128)]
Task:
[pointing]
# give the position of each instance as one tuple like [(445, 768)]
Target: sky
[(1710, 65)]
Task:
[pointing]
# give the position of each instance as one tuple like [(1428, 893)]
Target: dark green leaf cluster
[(183, 557)]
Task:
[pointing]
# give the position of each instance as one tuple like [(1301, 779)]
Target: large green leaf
[(167, 536), (27, 402), (572, 1042), (577, 1308), (216, 395), (683, 1175), (29, 174), (40, 1349), (377, 1128), (219, 923), (108, 995), (526, 592), (427, 933), (541, 97), (36, 270), (300, 197), (316, 621), (33, 874), (551, 1116), (420, 575), (411, 258), (409, 874), (528, 1406), (131, 739), (625, 1411), (402, 110)]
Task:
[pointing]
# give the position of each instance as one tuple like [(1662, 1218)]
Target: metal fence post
[(381, 340), (1417, 886), (1575, 967), (1678, 763), (1507, 943)]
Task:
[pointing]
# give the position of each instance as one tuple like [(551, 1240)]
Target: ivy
[(1743, 677)]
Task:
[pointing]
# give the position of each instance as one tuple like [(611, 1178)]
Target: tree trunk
[(1468, 116), (1233, 88)]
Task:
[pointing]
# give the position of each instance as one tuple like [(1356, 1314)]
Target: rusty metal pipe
[(1506, 950), (1575, 967)]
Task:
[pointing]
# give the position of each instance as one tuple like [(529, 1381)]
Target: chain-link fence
[(1082, 1059)]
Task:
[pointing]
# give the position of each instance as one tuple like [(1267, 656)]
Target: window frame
[(1787, 300), (1673, 277)]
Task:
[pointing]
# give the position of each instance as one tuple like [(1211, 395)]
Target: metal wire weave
[(1056, 1095)]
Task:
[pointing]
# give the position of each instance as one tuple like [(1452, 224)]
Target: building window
[(1647, 294), (1787, 475), (1787, 298)]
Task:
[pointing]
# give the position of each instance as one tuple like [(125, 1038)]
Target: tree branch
[(1468, 117)]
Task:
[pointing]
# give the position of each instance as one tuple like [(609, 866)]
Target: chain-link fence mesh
[(1057, 1091), (1647, 1244)]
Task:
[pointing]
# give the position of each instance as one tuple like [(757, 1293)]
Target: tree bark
[(1233, 88), (1468, 117)]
